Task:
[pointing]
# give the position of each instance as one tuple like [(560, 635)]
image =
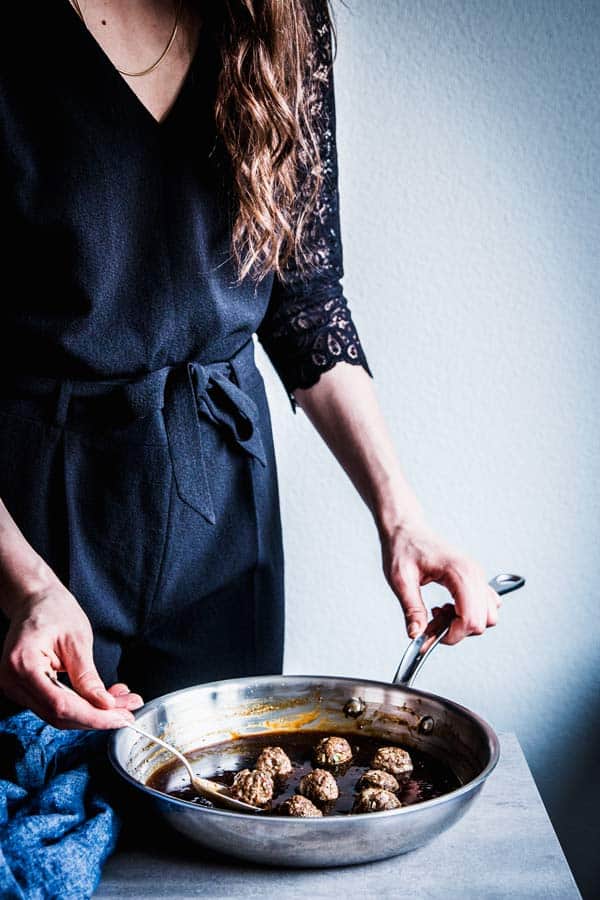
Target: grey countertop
[(504, 846)]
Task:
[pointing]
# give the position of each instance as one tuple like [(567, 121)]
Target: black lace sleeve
[(308, 327)]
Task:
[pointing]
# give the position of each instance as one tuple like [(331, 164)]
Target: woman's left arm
[(344, 409), (310, 336)]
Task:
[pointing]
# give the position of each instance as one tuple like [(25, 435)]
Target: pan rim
[(465, 789)]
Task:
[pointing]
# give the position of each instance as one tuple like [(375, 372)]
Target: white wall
[(469, 146)]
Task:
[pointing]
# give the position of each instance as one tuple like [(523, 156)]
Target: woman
[(169, 186)]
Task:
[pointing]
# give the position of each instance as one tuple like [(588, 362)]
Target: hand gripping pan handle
[(418, 650)]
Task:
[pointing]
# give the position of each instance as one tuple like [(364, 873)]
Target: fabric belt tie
[(191, 394), (194, 391)]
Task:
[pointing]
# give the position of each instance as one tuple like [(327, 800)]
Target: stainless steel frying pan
[(212, 713)]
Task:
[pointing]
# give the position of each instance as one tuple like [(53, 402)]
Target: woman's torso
[(116, 250)]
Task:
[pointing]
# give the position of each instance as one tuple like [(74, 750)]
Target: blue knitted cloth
[(57, 826)]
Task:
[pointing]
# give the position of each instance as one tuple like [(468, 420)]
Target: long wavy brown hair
[(268, 100)]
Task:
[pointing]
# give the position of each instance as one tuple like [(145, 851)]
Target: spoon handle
[(419, 649), (156, 740)]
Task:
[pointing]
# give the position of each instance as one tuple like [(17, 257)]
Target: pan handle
[(418, 650)]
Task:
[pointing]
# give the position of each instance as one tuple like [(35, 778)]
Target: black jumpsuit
[(136, 452)]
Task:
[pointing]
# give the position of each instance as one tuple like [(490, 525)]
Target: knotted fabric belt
[(188, 393), (207, 390)]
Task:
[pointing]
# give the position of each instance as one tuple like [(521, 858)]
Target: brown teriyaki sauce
[(220, 762)]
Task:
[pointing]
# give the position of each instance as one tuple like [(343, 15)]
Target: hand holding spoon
[(210, 790)]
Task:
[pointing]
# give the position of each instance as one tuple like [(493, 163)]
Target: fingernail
[(413, 630)]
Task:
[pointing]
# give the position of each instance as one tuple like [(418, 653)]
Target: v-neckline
[(125, 87)]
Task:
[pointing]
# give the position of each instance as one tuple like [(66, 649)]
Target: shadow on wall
[(577, 808)]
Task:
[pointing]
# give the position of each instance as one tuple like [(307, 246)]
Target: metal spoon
[(419, 649), (217, 793)]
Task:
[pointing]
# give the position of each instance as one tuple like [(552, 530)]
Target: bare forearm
[(344, 409), (49, 630), (22, 571)]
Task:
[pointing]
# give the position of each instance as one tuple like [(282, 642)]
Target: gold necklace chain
[(162, 55)]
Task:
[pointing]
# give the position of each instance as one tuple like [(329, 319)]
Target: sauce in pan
[(220, 762)]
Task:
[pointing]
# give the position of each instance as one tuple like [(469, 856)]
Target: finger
[(128, 701), (408, 590), (492, 615), (471, 606), (53, 660), (118, 689), (447, 610), (435, 612), (83, 675), (440, 613), (62, 709), (124, 698), (18, 694), (65, 709), (131, 701)]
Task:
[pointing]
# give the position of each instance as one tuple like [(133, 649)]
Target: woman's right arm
[(49, 630)]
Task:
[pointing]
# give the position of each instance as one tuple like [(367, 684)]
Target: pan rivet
[(354, 707), (426, 725)]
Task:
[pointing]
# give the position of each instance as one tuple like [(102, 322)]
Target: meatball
[(319, 786), (275, 761), (375, 799), (379, 779), (332, 751), (298, 806), (253, 787), (393, 760)]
